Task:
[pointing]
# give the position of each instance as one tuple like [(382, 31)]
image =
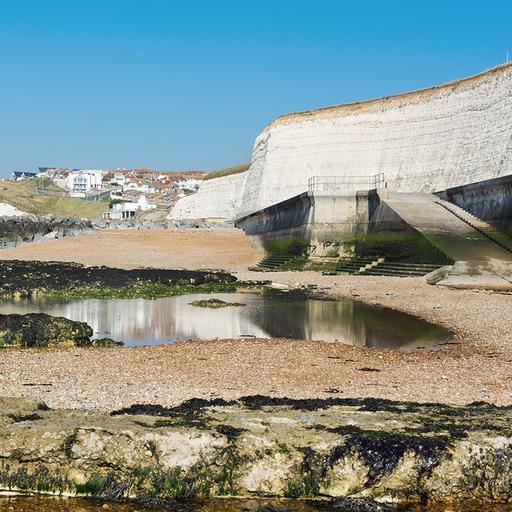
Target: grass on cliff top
[(24, 196), (227, 171)]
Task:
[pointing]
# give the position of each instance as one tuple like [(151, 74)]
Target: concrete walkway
[(479, 262)]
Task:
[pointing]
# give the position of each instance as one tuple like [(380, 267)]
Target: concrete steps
[(273, 262), (381, 267), (355, 266), (390, 268), (480, 225)]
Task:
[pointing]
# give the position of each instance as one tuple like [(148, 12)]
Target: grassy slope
[(236, 169), (24, 195)]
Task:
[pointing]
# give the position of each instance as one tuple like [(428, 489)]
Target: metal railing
[(345, 183)]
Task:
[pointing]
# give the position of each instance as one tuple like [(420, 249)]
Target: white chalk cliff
[(423, 141)]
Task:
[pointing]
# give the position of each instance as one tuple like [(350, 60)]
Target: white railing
[(345, 183)]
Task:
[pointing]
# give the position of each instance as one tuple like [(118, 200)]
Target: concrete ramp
[(479, 261)]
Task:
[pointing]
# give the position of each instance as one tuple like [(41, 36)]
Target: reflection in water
[(169, 319), (49, 504)]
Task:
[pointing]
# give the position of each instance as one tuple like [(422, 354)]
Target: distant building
[(21, 175), (123, 211), (119, 178), (190, 185), (83, 181)]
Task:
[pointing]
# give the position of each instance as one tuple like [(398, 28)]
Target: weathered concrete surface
[(490, 200), (259, 446), (313, 217), (423, 141), (479, 262)]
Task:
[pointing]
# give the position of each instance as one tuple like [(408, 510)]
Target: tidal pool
[(263, 315), (49, 504)]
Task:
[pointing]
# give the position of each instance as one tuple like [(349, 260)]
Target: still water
[(46, 504), (170, 319)]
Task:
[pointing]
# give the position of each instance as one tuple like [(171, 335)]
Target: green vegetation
[(294, 246), (402, 247), (40, 479), (144, 290), (41, 330), (25, 196), (214, 303), (227, 171)]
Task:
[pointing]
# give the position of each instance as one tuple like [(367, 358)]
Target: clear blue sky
[(190, 83)]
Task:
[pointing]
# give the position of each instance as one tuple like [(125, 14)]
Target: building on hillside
[(140, 186), (83, 181), (21, 175), (190, 185), (119, 179), (126, 210)]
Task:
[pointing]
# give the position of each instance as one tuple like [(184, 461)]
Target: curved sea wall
[(423, 141), (217, 198)]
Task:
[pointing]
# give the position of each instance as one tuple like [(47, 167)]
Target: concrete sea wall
[(423, 141), (491, 200)]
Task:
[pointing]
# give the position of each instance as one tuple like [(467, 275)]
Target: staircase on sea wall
[(480, 225), (378, 266), (274, 263), (356, 265)]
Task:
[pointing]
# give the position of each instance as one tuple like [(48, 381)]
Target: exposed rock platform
[(29, 278), (260, 446)]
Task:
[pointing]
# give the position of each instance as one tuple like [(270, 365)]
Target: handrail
[(345, 183)]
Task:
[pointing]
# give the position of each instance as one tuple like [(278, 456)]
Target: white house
[(127, 210), (190, 185), (139, 187), (119, 178), (83, 181)]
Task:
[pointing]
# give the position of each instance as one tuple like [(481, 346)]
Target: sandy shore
[(476, 365), (196, 249)]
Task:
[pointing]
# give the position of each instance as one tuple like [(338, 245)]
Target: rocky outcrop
[(41, 330), (31, 228), (46, 278), (260, 446), (142, 224), (423, 141)]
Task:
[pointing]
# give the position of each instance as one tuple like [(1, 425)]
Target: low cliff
[(261, 446)]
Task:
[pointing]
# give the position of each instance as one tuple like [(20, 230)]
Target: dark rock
[(26, 276), (32, 228), (358, 505), (41, 330), (106, 342)]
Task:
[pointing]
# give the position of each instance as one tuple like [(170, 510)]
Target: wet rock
[(344, 449), (214, 303), (41, 330), (358, 505), (105, 342), (29, 278)]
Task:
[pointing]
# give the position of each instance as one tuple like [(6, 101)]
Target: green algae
[(214, 303)]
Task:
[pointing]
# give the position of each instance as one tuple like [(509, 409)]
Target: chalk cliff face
[(423, 141), (218, 198)]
